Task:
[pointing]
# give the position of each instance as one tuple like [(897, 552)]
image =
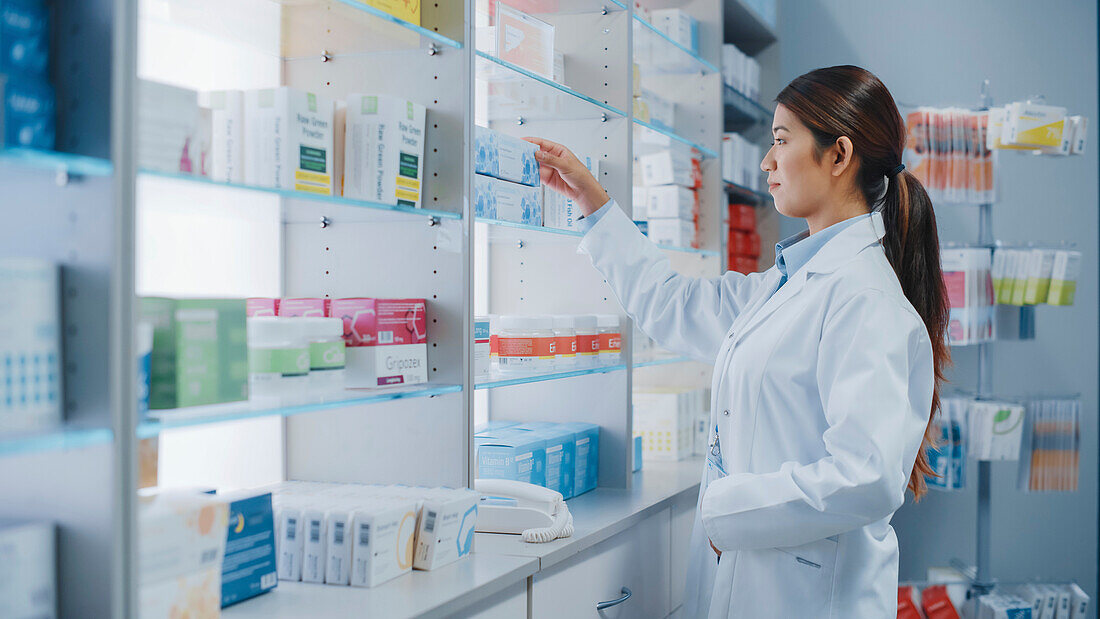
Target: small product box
[(248, 568), (665, 421), (445, 532), (384, 150), (481, 346), (27, 112), (258, 306), (28, 554), (525, 41), (586, 456), (24, 38), (170, 132), (679, 26), (383, 536), (226, 161), (30, 344), (1080, 134), (295, 308), (672, 166), (561, 454), (387, 340), (637, 456), (1039, 271), (200, 353), (671, 201), (407, 11), (513, 454), (288, 138), (677, 232), (1063, 280), (1032, 125), (503, 200), (561, 212), (742, 217), (502, 156)]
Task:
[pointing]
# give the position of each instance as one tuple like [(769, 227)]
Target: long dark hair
[(851, 101)]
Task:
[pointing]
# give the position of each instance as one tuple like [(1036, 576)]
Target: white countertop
[(497, 562), (604, 512)]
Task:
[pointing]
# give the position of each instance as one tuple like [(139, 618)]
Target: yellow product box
[(1063, 281), (1027, 124), (408, 10)]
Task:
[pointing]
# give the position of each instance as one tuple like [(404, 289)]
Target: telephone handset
[(538, 513)]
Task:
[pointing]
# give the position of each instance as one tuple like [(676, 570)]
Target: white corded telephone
[(538, 513)]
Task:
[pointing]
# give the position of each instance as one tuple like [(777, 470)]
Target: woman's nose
[(767, 163)]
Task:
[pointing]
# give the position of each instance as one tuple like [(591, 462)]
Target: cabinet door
[(508, 604), (637, 559), (683, 517)]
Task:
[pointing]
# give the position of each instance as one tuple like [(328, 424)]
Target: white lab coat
[(820, 395)]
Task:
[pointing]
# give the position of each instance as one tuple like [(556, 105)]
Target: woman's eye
[(777, 141)]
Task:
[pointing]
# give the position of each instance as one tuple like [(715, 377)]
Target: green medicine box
[(200, 351)]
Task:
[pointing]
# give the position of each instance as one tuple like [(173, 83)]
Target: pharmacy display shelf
[(744, 193), (507, 380), (665, 55), (506, 232), (745, 28), (741, 112), (300, 196), (652, 361), (53, 439), (68, 163), (443, 592), (287, 407), (380, 14), (532, 96), (703, 150)]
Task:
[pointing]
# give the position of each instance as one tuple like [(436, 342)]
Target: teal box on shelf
[(491, 426), (249, 565), (24, 38), (587, 458), (561, 450), (27, 112), (517, 456), (637, 454)]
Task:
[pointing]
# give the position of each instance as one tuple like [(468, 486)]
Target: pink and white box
[(296, 308), (387, 340), (257, 306)]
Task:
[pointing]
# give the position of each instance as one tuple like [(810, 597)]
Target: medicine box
[(28, 554), (288, 137), (679, 26), (666, 422), (507, 201), (445, 532), (514, 455), (200, 353), (492, 425), (312, 307), (561, 212), (677, 232), (1080, 134), (1040, 268), (525, 41), (30, 344), (1034, 125), (226, 115), (257, 306), (28, 111), (586, 457), (170, 132), (671, 201), (561, 448), (386, 340), (248, 568), (24, 38), (383, 536), (671, 166), (481, 347), (384, 150), (1063, 281), (505, 157)]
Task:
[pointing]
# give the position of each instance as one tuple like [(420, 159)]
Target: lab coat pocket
[(784, 582), (811, 566)]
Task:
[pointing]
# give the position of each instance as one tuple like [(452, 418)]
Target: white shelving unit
[(123, 230)]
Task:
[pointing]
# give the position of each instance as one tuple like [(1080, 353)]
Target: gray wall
[(936, 53)]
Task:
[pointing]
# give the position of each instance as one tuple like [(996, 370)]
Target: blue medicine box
[(502, 156), (561, 450), (24, 38), (587, 456), (514, 455), (249, 566), (493, 426), (28, 112)]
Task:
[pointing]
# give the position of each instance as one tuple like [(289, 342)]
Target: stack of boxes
[(740, 72), (677, 26), (563, 457), (744, 242), (741, 162), (666, 203), (672, 423), (507, 184), (27, 103)]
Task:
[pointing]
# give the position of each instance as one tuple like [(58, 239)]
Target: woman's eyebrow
[(779, 128)]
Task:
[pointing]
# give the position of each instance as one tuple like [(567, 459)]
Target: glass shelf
[(746, 28), (78, 165), (704, 151), (651, 361), (507, 380), (531, 96), (506, 232), (424, 32), (53, 439), (656, 52), (750, 195), (249, 409), (300, 195), (741, 112)]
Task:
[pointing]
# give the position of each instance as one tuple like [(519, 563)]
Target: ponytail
[(913, 248), (850, 101)]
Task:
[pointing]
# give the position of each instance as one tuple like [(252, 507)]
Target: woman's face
[(797, 180)]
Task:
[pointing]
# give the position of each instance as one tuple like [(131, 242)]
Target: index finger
[(544, 144)]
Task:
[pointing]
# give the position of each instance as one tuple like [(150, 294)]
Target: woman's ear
[(842, 153)]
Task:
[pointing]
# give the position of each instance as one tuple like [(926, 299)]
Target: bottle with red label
[(526, 344), (565, 336), (588, 341), (611, 339)]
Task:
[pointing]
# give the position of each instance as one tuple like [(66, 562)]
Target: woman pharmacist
[(827, 366)]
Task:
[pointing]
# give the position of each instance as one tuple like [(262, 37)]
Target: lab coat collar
[(838, 251)]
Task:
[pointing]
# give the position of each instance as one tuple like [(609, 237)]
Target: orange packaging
[(566, 345), (611, 342), (527, 347), (588, 345)]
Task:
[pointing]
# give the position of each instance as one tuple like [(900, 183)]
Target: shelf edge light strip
[(301, 195), (58, 440), (666, 38), (422, 31), (551, 83)]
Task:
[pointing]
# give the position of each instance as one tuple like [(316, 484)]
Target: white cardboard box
[(384, 150), (676, 232), (670, 201), (289, 143), (226, 133), (28, 569)]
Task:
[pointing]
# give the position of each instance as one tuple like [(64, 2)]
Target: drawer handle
[(626, 596)]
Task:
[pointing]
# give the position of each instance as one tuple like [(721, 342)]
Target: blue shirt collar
[(792, 253)]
